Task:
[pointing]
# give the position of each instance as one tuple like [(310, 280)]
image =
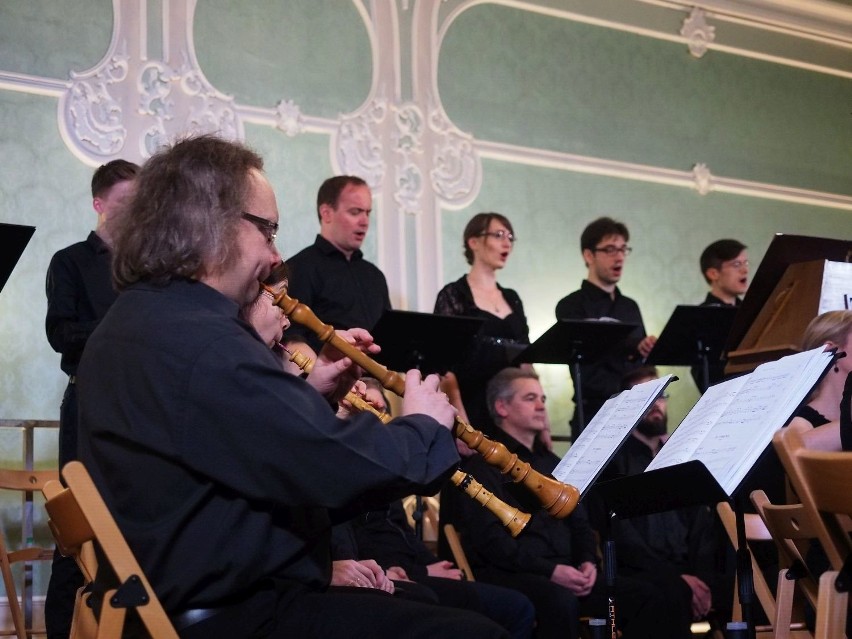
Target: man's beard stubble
[(653, 425)]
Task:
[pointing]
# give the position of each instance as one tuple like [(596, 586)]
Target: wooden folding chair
[(755, 530), (792, 529), (823, 482), (79, 518), (454, 542), (23, 481), (430, 508)]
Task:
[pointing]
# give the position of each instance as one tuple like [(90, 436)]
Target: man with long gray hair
[(219, 467)]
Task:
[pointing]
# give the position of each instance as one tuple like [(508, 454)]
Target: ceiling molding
[(819, 19)]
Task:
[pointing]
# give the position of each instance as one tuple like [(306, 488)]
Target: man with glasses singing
[(604, 247), (724, 265), (332, 276)]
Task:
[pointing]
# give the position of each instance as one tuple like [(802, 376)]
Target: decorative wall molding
[(820, 20), (416, 160), (129, 104), (828, 25), (697, 32), (699, 178)]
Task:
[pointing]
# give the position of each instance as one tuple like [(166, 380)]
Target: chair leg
[(783, 605), (111, 623), (831, 608)]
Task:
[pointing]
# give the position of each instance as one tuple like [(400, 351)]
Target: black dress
[(494, 347)]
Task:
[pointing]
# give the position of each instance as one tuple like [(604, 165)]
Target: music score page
[(608, 429), (733, 422)]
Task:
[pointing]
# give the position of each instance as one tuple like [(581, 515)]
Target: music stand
[(425, 341), (783, 251), (13, 241), (575, 342), (672, 488), (694, 335)]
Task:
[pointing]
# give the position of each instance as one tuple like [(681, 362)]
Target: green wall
[(504, 75)]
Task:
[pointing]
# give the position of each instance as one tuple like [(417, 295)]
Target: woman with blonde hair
[(823, 410)]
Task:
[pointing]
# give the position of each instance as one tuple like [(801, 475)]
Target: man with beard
[(678, 550)]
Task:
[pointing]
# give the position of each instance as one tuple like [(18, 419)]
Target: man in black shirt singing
[(332, 276), (604, 247)]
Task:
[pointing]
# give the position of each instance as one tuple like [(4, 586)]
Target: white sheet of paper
[(836, 292), (733, 422), (606, 432)]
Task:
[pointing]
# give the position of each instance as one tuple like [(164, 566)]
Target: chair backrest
[(827, 480), (792, 451), (23, 481), (454, 542), (79, 516), (792, 529), (430, 508)]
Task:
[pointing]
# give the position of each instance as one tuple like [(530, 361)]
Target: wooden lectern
[(778, 328), (783, 298)]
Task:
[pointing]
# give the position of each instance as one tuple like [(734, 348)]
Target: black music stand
[(671, 488), (13, 241), (694, 335), (576, 342), (425, 341), (783, 251)]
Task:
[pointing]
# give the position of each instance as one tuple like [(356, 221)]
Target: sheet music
[(733, 423), (608, 429), (836, 294)]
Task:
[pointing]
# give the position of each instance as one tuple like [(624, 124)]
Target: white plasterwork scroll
[(697, 32)]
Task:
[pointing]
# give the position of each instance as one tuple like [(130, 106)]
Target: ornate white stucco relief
[(697, 32), (703, 178), (129, 105)]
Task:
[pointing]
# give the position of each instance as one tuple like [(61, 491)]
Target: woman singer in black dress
[(488, 240)]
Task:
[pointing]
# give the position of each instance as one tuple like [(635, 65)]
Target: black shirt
[(345, 293), (493, 348), (602, 378), (715, 369), (79, 293), (218, 466), (544, 543), (675, 542)]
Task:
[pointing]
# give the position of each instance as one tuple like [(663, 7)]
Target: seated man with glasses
[(604, 248)]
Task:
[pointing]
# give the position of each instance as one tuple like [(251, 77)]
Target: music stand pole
[(705, 366), (610, 570), (745, 576), (578, 390)]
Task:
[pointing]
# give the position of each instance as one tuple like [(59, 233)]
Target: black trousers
[(641, 609), (342, 613), (65, 577)]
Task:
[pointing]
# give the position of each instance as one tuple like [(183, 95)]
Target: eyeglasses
[(267, 227), (736, 264), (500, 235), (611, 249)]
